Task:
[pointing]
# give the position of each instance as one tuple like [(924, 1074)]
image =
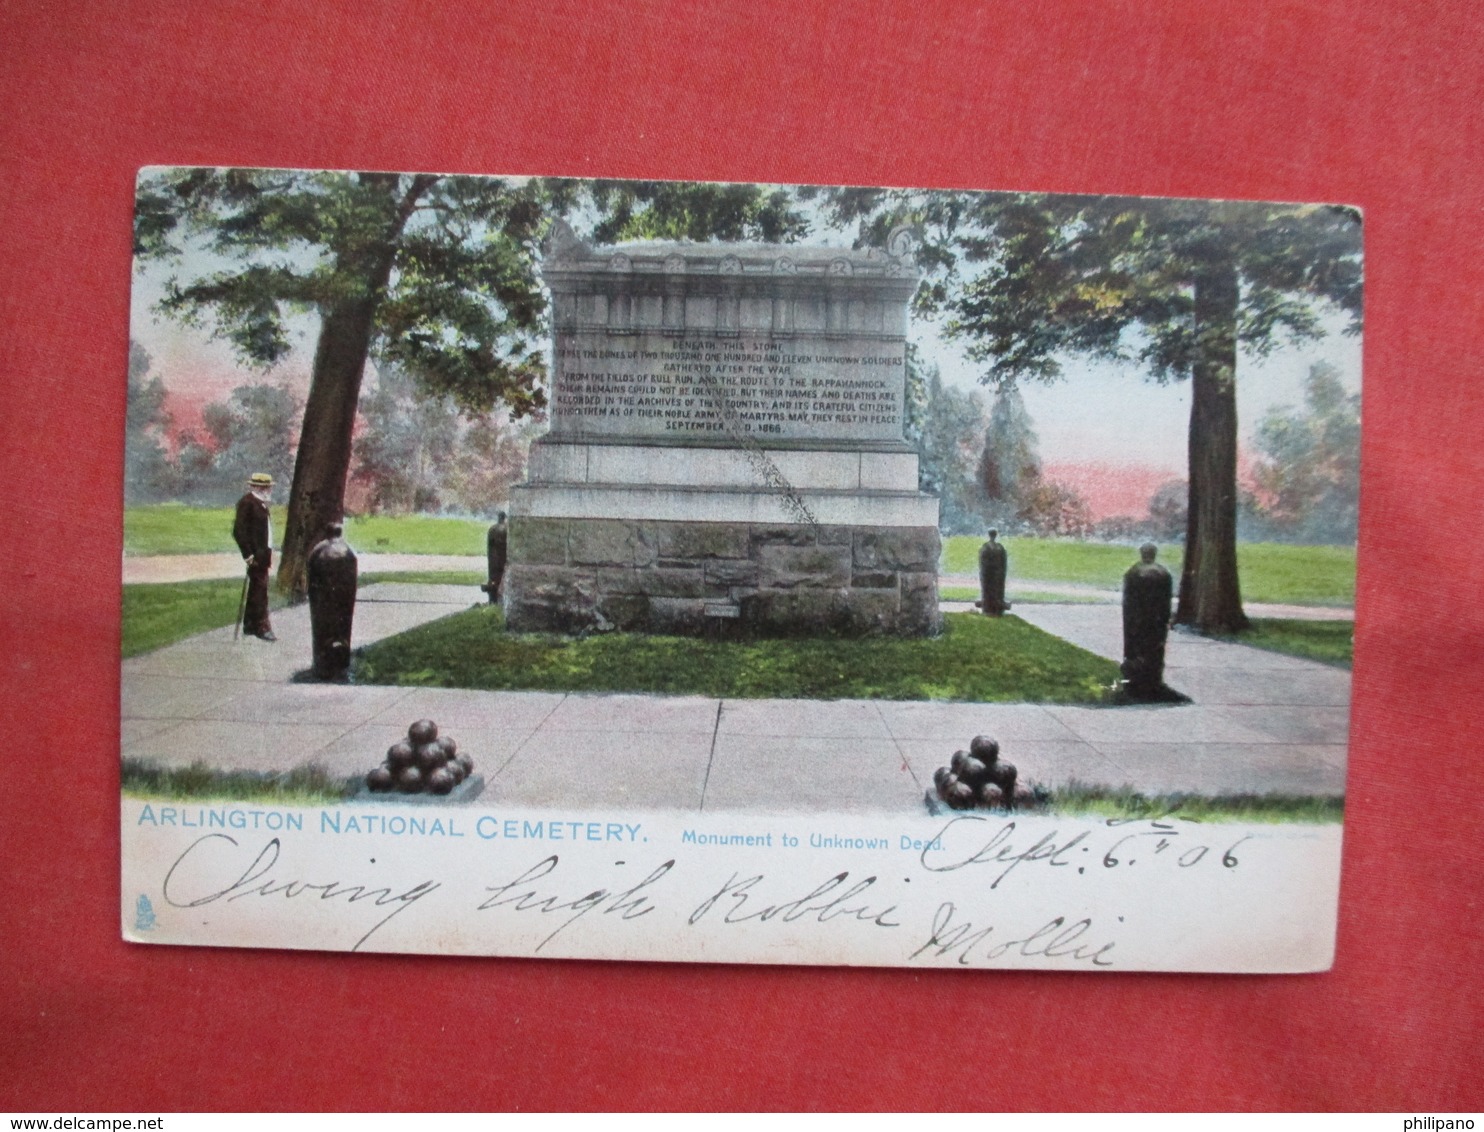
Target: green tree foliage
[(948, 436), (443, 264), (147, 471), (1009, 464), (435, 274), (964, 452), (914, 397), (251, 432), (406, 445), (1168, 511), (417, 453), (1308, 474), (1017, 495), (687, 210), (491, 458), (1052, 509), (254, 431), (192, 476), (1176, 286)]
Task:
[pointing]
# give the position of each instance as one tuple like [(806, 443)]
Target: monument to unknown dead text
[(725, 446)]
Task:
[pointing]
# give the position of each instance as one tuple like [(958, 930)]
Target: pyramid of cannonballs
[(423, 763), (978, 777)]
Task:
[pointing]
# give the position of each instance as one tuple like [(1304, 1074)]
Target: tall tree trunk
[(322, 465), (317, 498), (1210, 595)]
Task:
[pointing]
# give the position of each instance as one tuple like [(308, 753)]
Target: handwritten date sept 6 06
[(973, 840)]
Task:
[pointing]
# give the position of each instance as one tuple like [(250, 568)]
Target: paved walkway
[(195, 567), (1028, 592), (1260, 722)]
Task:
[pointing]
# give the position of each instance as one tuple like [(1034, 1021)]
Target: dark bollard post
[(1147, 589), (993, 566), (496, 548), (332, 603)]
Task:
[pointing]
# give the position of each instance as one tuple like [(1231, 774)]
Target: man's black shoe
[(268, 636)]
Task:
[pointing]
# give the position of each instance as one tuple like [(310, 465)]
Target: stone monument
[(725, 443)]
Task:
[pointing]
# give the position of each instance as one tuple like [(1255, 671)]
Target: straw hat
[(260, 479)]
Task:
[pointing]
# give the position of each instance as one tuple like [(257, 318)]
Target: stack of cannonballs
[(423, 763), (978, 777)]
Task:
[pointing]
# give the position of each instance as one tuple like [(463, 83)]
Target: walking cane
[(241, 605)]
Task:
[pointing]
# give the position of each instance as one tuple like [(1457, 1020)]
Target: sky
[(1097, 416), (1099, 411)]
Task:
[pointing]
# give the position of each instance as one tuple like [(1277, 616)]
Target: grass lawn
[(304, 786), (977, 659), (425, 578), (1270, 572), (313, 786), (173, 528), (1126, 803), (1332, 642), (160, 614), (1019, 597)]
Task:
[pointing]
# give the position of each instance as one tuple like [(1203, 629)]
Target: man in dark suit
[(497, 544), (253, 533)]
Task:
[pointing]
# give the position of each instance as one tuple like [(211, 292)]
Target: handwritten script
[(970, 890), (255, 881)]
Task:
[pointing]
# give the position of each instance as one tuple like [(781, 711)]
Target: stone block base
[(690, 578)]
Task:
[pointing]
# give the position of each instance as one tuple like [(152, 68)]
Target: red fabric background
[(1372, 103)]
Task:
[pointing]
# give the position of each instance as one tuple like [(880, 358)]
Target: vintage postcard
[(737, 573)]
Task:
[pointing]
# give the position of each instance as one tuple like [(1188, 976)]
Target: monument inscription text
[(654, 385)]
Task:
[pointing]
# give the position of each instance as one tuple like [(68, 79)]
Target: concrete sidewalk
[(153, 568), (157, 568), (1021, 591), (1260, 722)]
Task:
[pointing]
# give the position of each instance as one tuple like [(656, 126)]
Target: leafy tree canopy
[(1308, 471), (949, 430), (253, 431), (146, 463), (460, 306), (1027, 278), (677, 210), (1010, 459), (406, 445), (1074, 275)]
